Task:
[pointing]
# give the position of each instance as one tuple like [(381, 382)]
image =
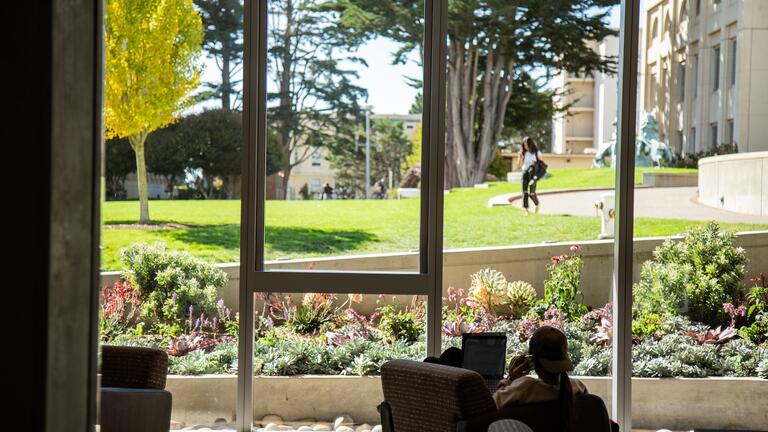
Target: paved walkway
[(671, 203)]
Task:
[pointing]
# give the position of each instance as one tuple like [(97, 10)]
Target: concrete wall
[(671, 403), (666, 179), (524, 262), (736, 182)]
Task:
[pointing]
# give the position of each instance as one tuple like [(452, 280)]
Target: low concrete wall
[(671, 403), (737, 182), (667, 179), (524, 262)]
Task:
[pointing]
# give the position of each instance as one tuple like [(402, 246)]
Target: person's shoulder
[(578, 386)]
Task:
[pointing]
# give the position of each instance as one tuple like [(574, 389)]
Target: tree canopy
[(152, 48), (491, 44)]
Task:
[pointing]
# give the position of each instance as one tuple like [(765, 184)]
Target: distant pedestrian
[(528, 160), (327, 191)]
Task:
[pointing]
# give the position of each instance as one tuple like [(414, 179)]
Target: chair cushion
[(426, 397)]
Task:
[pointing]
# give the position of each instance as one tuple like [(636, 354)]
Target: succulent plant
[(489, 289), (521, 296)]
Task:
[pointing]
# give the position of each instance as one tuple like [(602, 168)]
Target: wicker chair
[(132, 394), (426, 397)]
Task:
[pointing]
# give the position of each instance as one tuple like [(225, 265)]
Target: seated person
[(548, 349), (548, 352)]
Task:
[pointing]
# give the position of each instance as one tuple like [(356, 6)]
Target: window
[(716, 68), (317, 158), (681, 80), (731, 132), (692, 140), (713, 135), (316, 185), (734, 59), (698, 7), (695, 77)]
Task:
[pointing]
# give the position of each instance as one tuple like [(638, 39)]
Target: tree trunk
[(476, 107), (137, 142)]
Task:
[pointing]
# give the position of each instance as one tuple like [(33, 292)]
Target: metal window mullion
[(436, 17), (253, 191), (621, 395)]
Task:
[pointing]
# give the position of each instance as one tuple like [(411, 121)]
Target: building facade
[(315, 170), (704, 77), (587, 125)]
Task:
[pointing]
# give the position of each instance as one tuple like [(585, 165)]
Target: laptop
[(485, 353)]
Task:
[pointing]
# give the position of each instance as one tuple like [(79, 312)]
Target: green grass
[(301, 229)]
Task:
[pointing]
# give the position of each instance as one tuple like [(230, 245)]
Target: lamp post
[(367, 109)]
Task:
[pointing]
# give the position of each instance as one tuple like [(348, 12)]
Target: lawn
[(300, 229)]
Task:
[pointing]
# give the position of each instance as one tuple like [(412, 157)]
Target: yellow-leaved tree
[(152, 65)]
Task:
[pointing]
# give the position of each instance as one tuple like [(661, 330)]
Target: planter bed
[(670, 403)]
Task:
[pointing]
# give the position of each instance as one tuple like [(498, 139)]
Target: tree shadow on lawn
[(279, 239)]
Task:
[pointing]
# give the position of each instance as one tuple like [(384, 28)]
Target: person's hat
[(549, 347)]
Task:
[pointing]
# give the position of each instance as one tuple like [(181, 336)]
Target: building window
[(680, 142), (317, 158), (698, 7), (695, 72), (681, 80), (713, 139), (731, 132), (315, 185), (734, 47), (716, 68), (692, 139)]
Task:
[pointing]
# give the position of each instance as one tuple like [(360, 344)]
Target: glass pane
[(344, 117), (173, 121), (317, 357), (700, 222), (527, 245)]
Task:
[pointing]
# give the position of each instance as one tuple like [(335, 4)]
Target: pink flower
[(575, 248)]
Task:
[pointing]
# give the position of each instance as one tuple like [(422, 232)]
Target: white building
[(315, 170), (705, 79), (588, 123)]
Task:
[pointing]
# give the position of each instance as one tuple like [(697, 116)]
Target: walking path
[(670, 203)]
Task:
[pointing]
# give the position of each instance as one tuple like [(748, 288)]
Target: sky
[(388, 90)]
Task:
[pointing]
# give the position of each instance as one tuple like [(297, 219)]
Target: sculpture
[(649, 150)]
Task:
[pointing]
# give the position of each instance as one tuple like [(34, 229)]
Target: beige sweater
[(529, 389)]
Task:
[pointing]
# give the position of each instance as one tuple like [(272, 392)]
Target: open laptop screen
[(485, 353)]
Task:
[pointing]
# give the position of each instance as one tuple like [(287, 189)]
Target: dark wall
[(49, 206)]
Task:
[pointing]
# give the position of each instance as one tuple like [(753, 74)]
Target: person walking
[(327, 191), (527, 161)]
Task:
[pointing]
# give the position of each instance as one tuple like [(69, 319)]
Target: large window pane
[(171, 236), (317, 357), (699, 296), (525, 249), (344, 117)]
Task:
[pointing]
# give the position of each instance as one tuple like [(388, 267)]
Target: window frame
[(428, 281)]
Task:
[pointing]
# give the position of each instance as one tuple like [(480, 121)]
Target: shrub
[(173, 285), (400, 325), (521, 296), (561, 290), (118, 309), (694, 276)]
